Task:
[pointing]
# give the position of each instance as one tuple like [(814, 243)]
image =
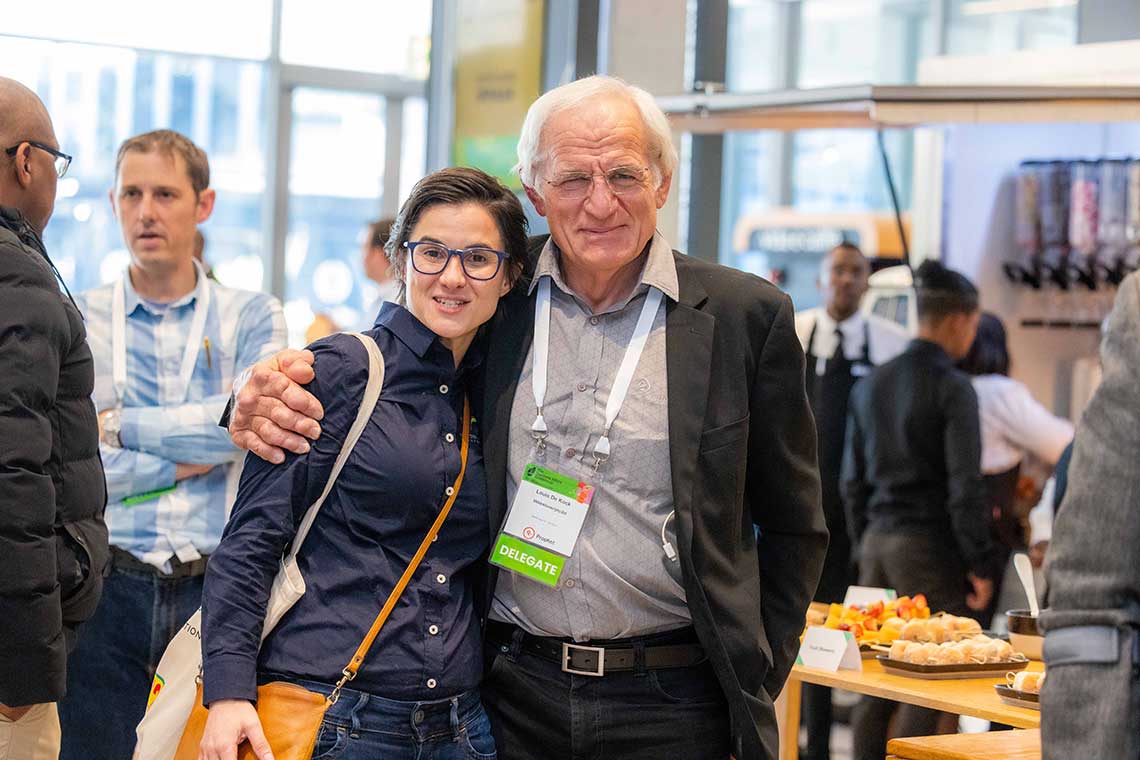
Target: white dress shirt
[(1013, 423), (888, 339)]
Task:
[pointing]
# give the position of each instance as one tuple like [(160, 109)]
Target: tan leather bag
[(291, 715)]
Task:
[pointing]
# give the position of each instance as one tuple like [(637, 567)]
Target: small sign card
[(859, 596), (829, 649)]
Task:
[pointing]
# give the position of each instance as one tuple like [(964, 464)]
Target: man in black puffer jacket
[(53, 544)]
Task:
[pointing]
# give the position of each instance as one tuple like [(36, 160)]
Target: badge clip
[(538, 432), (601, 451)]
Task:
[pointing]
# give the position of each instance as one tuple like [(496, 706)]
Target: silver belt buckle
[(599, 651)]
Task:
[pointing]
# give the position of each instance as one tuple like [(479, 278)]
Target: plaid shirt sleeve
[(189, 432)]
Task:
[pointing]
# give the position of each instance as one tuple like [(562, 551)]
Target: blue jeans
[(111, 670), (362, 726)]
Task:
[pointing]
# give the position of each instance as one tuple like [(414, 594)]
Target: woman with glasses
[(458, 244)]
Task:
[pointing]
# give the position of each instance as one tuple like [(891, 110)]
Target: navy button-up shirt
[(385, 500)]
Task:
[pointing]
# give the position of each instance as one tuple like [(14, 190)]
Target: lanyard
[(119, 336), (621, 381)]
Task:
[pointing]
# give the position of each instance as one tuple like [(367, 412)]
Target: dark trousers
[(816, 712), (110, 672), (539, 712), (911, 563)]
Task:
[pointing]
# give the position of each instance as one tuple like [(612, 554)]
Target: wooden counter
[(968, 696), (995, 745)]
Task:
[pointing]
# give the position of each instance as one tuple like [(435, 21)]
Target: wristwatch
[(111, 425)]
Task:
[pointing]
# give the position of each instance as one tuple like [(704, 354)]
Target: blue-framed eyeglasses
[(478, 263)]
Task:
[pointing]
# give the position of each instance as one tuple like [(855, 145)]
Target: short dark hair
[(379, 231), (170, 143), (942, 292), (456, 186), (846, 245), (989, 354)]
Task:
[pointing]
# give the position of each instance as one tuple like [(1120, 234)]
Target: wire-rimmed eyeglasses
[(577, 185)]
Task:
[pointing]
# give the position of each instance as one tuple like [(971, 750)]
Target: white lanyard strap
[(541, 344), (622, 380), (119, 336)]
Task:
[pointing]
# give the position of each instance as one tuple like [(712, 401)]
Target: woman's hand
[(231, 722)]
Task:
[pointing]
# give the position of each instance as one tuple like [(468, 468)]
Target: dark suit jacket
[(743, 455)]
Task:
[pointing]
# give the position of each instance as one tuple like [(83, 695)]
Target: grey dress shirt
[(618, 582)]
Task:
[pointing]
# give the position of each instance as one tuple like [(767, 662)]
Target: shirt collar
[(825, 325), (660, 270), (132, 300), (419, 338)]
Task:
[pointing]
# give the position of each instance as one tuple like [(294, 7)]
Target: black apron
[(829, 394)]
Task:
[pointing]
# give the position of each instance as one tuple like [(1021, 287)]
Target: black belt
[(599, 658), (178, 569)]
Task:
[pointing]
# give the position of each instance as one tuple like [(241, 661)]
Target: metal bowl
[(1023, 633)]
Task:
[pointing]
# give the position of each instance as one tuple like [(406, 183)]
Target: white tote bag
[(176, 679)]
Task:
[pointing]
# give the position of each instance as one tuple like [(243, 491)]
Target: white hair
[(662, 154)]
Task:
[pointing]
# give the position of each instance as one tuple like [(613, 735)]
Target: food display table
[(995, 745), (969, 696)]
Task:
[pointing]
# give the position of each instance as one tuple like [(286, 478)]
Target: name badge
[(542, 525)]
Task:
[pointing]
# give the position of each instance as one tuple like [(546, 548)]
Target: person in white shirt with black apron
[(841, 345)]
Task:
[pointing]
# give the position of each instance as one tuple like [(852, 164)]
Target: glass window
[(747, 189), (746, 180), (378, 37), (413, 152), (753, 53), (999, 26), (861, 41), (98, 97), (842, 169), (208, 27), (336, 178)]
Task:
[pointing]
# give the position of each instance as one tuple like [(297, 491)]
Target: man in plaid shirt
[(166, 340)]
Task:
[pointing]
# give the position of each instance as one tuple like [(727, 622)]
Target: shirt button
[(441, 578), (571, 453), (431, 683), (581, 387), (443, 389), (593, 320), (435, 538), (570, 583), (433, 629), (450, 438), (450, 490)]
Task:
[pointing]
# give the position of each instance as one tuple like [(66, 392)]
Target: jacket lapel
[(688, 354), (510, 341)]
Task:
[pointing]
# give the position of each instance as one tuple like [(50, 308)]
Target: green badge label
[(571, 488), (524, 559)]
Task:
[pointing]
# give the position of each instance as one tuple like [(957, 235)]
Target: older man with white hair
[(657, 401)]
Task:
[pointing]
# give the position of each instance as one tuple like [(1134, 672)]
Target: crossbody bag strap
[(353, 666), (367, 405)]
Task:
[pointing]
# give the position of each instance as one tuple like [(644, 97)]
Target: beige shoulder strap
[(367, 405)]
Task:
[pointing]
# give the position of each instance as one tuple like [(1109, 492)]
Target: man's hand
[(14, 713), (273, 412), (183, 470), (231, 722), (1037, 553), (982, 594)]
